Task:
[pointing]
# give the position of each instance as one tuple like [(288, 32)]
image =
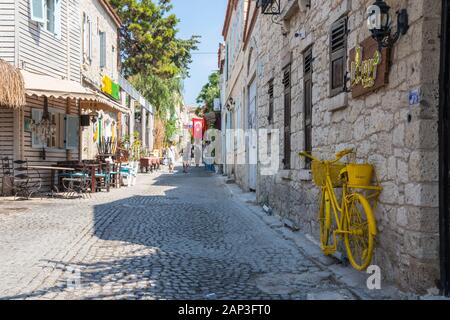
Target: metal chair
[(24, 183), (129, 173), (76, 184)]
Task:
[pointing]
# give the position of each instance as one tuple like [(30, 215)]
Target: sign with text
[(369, 68), (110, 87)]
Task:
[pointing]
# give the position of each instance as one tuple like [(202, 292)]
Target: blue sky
[(204, 18)]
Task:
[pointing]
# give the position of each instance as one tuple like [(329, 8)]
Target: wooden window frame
[(338, 51)]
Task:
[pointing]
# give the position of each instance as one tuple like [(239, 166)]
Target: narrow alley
[(162, 239)]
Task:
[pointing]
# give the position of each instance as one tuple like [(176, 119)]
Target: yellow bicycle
[(354, 218)]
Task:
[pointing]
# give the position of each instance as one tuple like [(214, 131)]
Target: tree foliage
[(153, 58), (210, 91), (149, 42), (163, 94)]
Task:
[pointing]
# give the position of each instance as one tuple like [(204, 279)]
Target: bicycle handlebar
[(339, 155), (343, 153), (307, 155)]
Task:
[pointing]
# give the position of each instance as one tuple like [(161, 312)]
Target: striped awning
[(45, 86)]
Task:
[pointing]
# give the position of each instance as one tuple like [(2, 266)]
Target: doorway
[(444, 152)]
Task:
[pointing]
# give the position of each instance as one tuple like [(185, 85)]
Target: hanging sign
[(369, 68), (110, 87)]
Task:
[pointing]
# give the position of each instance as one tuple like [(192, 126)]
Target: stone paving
[(169, 237)]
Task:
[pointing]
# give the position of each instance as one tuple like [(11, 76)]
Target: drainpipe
[(444, 132)]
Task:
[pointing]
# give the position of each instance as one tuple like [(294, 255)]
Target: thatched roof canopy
[(12, 87)]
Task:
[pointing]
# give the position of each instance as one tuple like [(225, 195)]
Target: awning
[(43, 85)]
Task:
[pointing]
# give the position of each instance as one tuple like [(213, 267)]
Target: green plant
[(148, 39), (136, 147), (210, 91)]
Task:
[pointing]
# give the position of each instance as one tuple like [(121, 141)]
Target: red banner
[(197, 125)]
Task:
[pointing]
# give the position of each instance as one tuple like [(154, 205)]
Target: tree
[(163, 94), (148, 39), (210, 91)]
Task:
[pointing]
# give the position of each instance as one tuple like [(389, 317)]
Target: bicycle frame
[(338, 210)]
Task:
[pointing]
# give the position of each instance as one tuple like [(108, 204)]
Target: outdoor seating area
[(69, 179)]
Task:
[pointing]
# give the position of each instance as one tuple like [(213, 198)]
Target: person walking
[(186, 157), (171, 156), (198, 152)]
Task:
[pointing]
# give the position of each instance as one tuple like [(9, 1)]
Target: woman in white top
[(171, 155)]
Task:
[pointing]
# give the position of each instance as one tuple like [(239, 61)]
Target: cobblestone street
[(169, 237)]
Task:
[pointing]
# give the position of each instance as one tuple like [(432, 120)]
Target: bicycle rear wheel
[(361, 227)]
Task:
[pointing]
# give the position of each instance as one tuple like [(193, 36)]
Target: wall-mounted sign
[(110, 87), (217, 106), (369, 68)]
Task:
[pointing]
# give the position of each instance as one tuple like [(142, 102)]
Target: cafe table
[(93, 170)]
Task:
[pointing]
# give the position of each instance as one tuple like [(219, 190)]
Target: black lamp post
[(379, 24)]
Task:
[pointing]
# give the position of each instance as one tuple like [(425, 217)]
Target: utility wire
[(204, 53)]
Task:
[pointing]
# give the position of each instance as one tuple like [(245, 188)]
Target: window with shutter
[(287, 116), (37, 10), (57, 19), (308, 85), (102, 36), (50, 25), (271, 101), (338, 56), (72, 132), (36, 116), (90, 39), (86, 38)]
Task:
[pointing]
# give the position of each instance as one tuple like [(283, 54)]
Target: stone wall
[(399, 139)]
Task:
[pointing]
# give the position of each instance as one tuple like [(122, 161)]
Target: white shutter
[(72, 132), (102, 36), (90, 39), (36, 115), (58, 18), (37, 10)]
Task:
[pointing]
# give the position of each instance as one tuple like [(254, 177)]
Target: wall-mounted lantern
[(269, 7), (230, 105), (87, 119), (379, 24)]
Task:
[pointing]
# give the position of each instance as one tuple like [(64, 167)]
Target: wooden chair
[(103, 177), (7, 178), (116, 175)]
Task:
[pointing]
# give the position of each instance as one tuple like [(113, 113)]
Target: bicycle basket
[(360, 174), (319, 172)]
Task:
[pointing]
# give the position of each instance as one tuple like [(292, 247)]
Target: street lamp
[(379, 24)]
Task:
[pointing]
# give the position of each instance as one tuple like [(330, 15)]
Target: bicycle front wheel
[(361, 230), (325, 221)]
